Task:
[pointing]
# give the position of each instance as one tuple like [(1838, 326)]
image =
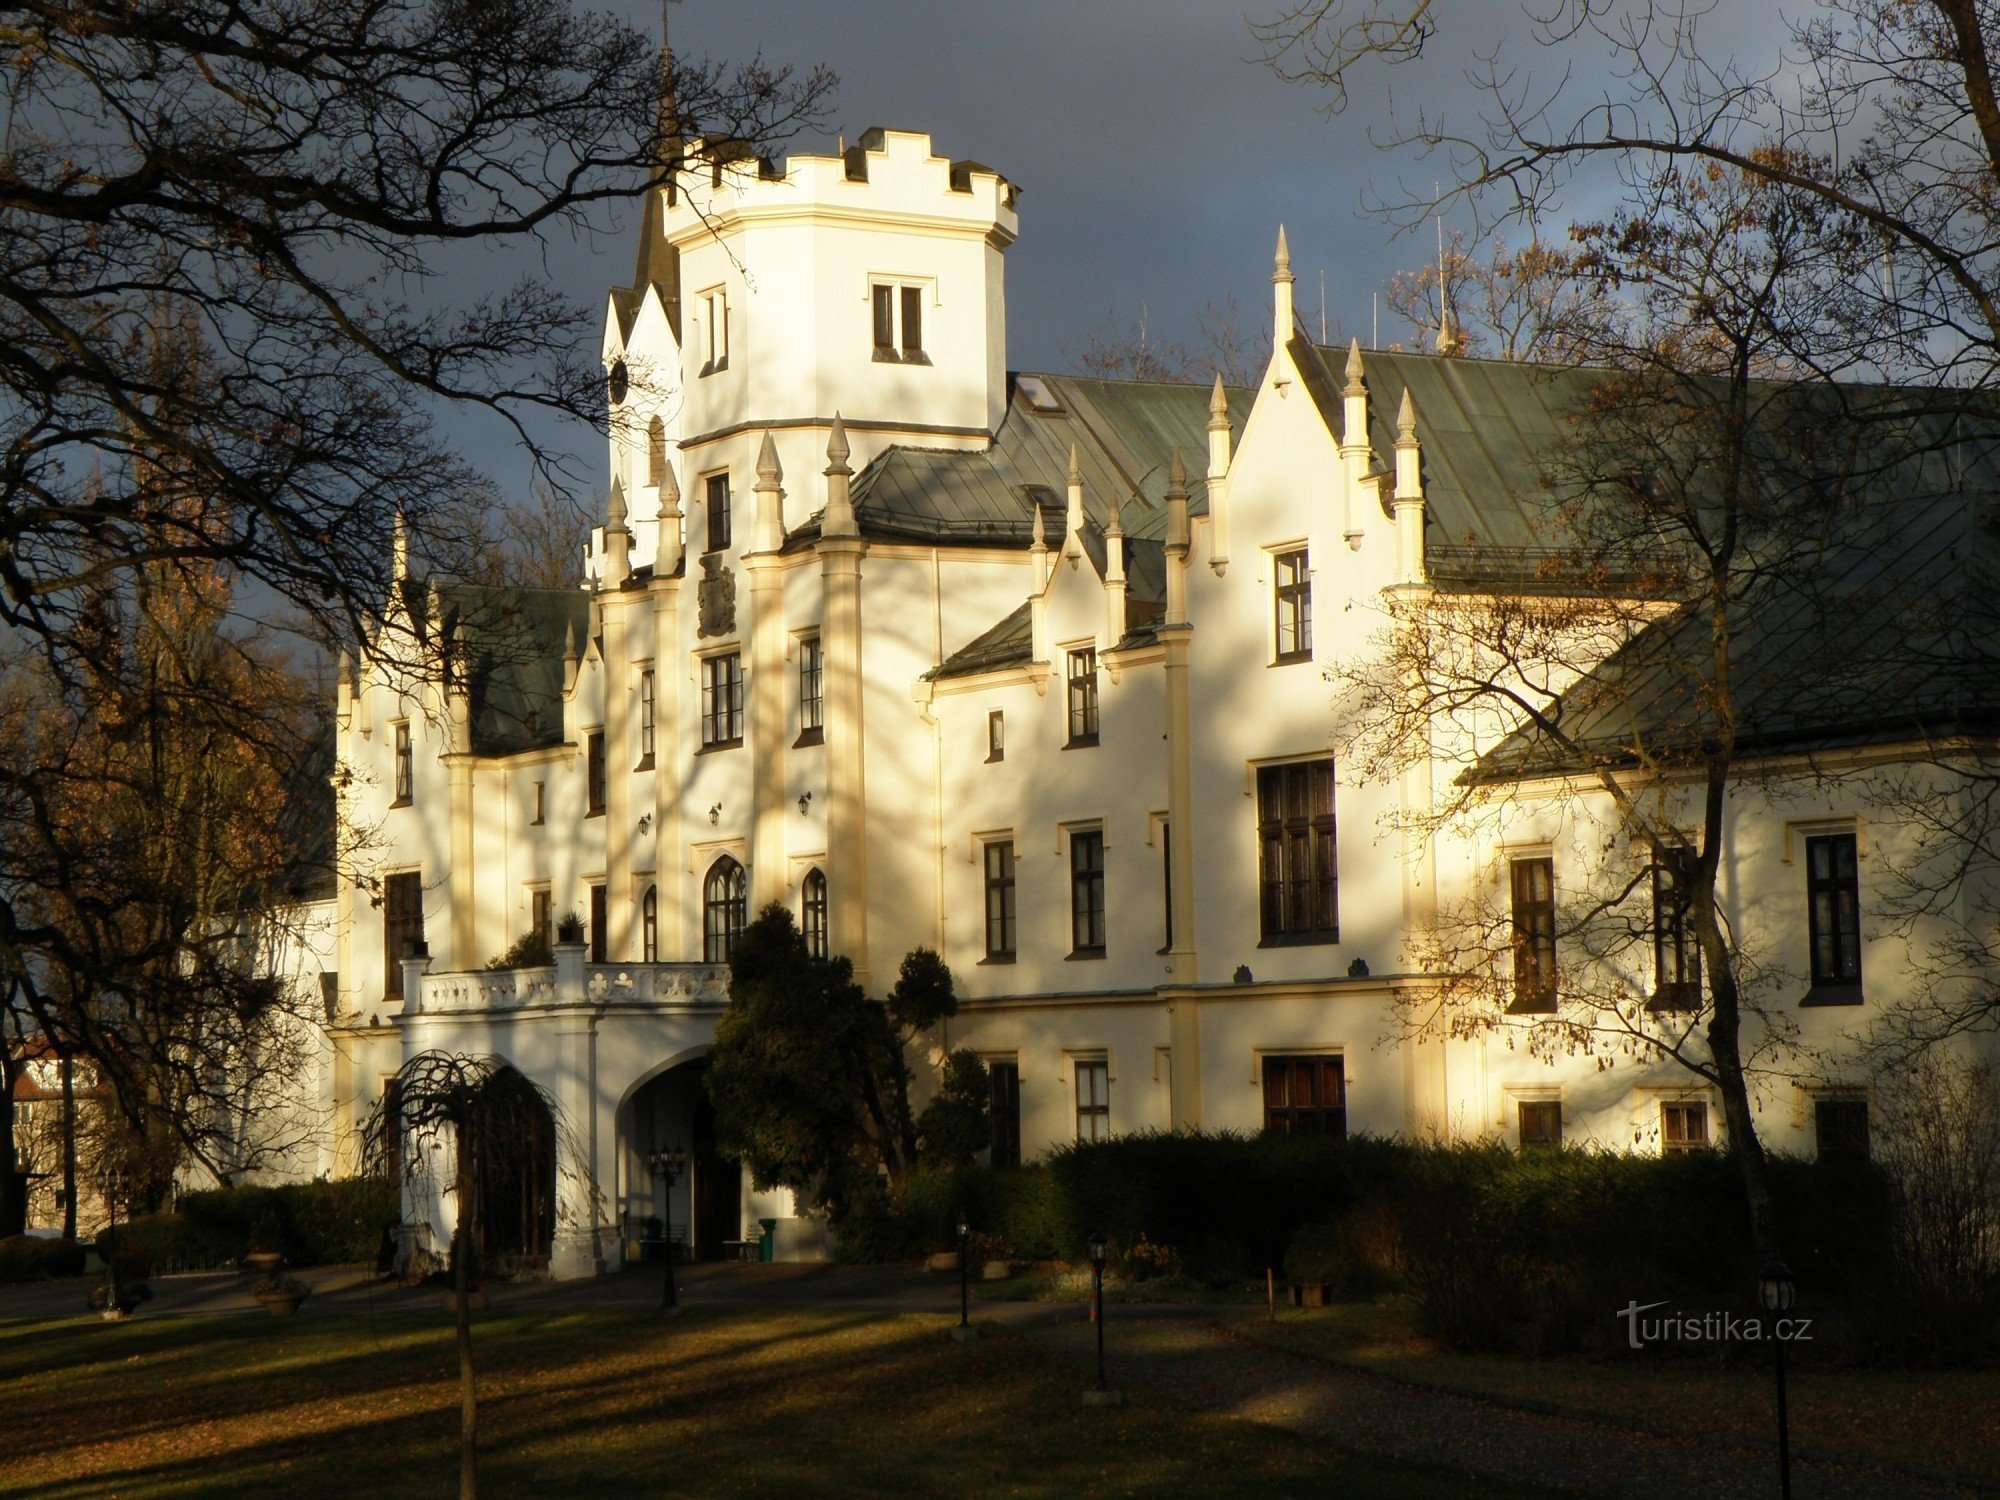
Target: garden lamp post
[(667, 1164), (1098, 1249), (1775, 1293), (113, 1309), (964, 1281)]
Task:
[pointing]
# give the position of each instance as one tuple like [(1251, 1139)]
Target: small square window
[(1840, 1128), (1541, 1122), (1683, 1127)]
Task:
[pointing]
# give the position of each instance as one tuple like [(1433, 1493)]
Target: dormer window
[(898, 309), (715, 331)]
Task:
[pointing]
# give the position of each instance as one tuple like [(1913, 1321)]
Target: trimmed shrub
[(27, 1257), (324, 1222), (1317, 1256)]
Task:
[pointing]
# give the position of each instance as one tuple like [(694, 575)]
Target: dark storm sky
[(1156, 154)]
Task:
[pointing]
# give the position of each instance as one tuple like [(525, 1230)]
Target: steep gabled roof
[(516, 638)]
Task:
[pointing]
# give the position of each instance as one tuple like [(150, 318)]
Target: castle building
[(1030, 669)]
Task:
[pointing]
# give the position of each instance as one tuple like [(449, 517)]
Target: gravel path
[(1189, 1359)]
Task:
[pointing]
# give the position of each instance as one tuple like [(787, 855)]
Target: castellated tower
[(772, 295)]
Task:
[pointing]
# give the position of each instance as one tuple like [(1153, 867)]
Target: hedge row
[(1492, 1241), (324, 1222), (28, 1257)]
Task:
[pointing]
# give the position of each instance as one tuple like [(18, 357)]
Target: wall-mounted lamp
[(805, 803), (715, 813), (646, 823)]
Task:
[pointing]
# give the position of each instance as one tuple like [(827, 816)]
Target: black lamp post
[(1098, 1248), (1775, 1293), (964, 1282), (114, 1308), (667, 1164)]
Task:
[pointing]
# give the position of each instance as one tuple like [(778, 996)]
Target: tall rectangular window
[(1298, 888), (1167, 883), (541, 801), (1292, 589), (1833, 886), (1093, 1098), (715, 330), (1305, 1095), (1086, 893), (715, 489), (812, 692), (593, 758), (1676, 954), (1083, 696), (1004, 1120), (646, 719), (913, 323), (541, 915), (722, 700), (406, 771), (1000, 901), (1534, 914), (402, 926), (996, 736), (600, 921), (1683, 1126), (883, 309)]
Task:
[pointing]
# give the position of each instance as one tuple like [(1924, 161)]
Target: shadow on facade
[(701, 1216)]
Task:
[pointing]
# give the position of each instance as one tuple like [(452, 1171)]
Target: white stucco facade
[(944, 536)]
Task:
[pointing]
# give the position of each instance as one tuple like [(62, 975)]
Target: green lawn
[(1928, 1421), (598, 1404)]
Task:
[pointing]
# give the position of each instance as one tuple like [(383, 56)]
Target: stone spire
[(1281, 287), (1355, 454), (1218, 478), (1073, 518), (1114, 578), (617, 538), (838, 518), (1355, 385), (399, 548), (770, 493), (667, 546), (1408, 503)]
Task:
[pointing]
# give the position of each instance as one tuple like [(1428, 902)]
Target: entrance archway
[(704, 1210)]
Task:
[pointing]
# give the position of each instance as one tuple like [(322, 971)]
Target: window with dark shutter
[(1534, 914), (1833, 913), (593, 755), (600, 921), (1004, 1120), (1297, 874), (1000, 901), (913, 323), (1840, 1128), (884, 299), (1683, 1127), (1541, 1122), (1086, 893), (716, 491), (402, 926), (1305, 1095), (1082, 679)]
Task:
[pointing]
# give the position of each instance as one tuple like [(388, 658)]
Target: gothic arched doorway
[(703, 1211)]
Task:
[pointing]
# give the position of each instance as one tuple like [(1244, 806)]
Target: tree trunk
[(468, 1400), (13, 1182), (69, 1146)]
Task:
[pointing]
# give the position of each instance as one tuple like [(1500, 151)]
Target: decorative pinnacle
[(1406, 419), (670, 492), (1354, 383), (1075, 466), (569, 642), (836, 447), (1281, 269), (1177, 478), (767, 461), (1041, 532), (614, 508), (1218, 405)]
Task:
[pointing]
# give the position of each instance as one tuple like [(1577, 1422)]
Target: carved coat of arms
[(715, 598)]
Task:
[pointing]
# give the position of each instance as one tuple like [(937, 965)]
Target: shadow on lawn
[(589, 1404)]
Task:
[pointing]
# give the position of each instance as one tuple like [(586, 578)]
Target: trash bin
[(767, 1246)]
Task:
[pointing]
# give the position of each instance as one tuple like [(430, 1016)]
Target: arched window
[(725, 903), (656, 452), (649, 926), (812, 903)]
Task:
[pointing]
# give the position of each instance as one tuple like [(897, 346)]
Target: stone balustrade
[(569, 981)]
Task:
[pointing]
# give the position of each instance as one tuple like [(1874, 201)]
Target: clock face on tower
[(620, 382)]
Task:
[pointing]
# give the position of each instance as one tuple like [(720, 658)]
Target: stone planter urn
[(281, 1295), (996, 1270), (263, 1262), (1310, 1293)]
